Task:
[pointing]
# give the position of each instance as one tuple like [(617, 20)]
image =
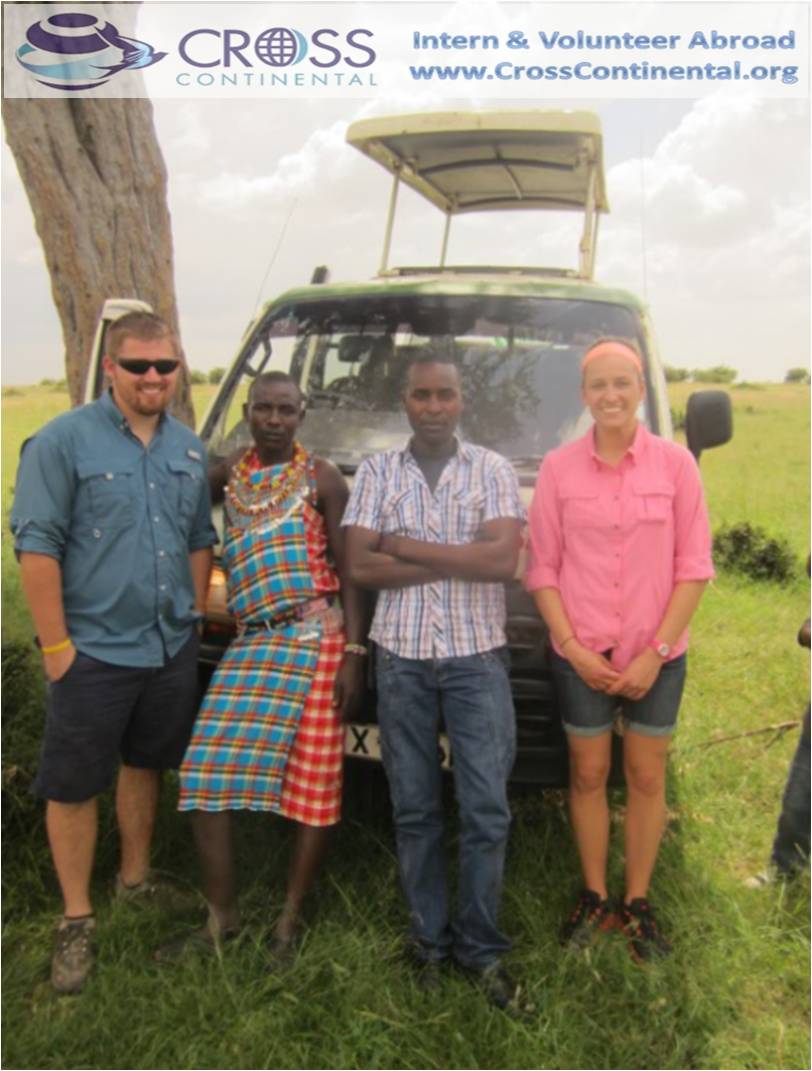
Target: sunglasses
[(139, 366)]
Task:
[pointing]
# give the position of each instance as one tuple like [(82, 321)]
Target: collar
[(634, 451), (462, 450)]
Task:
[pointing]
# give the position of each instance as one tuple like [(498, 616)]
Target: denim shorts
[(586, 712), (98, 713)]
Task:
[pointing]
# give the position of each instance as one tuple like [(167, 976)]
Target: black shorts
[(98, 713)]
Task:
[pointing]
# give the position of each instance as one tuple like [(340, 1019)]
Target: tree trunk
[(96, 181)]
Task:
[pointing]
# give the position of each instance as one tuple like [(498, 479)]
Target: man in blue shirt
[(113, 531)]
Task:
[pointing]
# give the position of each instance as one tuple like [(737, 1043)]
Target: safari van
[(517, 334)]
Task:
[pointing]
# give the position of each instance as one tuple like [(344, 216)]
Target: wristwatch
[(662, 649)]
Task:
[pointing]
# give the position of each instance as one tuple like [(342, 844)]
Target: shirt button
[(163, 587), (152, 487), (161, 554), (96, 533), (156, 519)]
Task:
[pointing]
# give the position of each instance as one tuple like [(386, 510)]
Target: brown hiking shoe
[(73, 954), (155, 890)]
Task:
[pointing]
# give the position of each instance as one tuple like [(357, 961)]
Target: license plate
[(364, 742)]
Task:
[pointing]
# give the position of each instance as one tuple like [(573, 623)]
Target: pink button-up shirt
[(615, 540)]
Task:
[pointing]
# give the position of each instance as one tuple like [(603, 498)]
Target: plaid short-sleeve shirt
[(447, 618)]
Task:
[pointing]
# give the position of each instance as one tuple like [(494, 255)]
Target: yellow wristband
[(63, 646)]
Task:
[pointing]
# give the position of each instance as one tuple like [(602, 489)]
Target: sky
[(709, 223)]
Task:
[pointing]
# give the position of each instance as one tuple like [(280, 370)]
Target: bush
[(745, 384), (742, 548), (22, 720), (196, 378), (678, 419), (12, 392), (216, 374), (676, 375), (720, 373), (797, 375)]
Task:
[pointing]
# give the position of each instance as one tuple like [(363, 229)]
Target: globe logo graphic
[(74, 50), (280, 47)]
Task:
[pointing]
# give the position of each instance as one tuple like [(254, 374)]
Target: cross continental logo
[(281, 47), (73, 51)]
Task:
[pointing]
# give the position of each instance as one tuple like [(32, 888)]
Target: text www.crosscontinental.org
[(586, 71)]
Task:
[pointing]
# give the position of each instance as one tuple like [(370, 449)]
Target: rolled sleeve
[(365, 501), (502, 498), (43, 498), (544, 557), (692, 535)]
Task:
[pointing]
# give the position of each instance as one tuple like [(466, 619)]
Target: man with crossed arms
[(434, 527)]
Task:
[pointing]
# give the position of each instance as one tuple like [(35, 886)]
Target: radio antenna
[(274, 255)]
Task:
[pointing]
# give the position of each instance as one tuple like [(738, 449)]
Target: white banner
[(489, 50)]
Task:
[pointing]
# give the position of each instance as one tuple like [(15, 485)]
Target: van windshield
[(519, 358)]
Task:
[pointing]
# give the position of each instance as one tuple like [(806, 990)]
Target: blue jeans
[(473, 693), (791, 844), (586, 712)]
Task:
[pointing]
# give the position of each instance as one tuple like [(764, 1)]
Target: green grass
[(734, 995)]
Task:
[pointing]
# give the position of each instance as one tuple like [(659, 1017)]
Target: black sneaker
[(590, 916), (499, 988), (427, 972), (642, 932)]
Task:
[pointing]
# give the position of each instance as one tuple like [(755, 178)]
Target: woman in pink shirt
[(620, 555)]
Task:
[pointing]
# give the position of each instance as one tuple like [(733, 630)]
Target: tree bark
[(96, 182)]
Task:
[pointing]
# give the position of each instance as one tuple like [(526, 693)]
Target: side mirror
[(708, 420)]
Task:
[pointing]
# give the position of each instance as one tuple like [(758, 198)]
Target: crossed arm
[(393, 561)]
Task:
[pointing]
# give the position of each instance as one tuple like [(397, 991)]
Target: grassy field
[(734, 995)]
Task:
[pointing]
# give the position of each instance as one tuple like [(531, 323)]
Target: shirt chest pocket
[(583, 510), (466, 515), (106, 495), (399, 512), (653, 501), (185, 485)]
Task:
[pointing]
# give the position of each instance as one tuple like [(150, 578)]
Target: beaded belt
[(296, 613)]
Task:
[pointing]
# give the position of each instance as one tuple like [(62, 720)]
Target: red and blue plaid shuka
[(267, 737)]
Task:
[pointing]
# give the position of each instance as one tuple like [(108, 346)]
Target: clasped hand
[(598, 673)]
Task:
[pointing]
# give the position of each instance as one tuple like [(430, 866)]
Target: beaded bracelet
[(355, 648)]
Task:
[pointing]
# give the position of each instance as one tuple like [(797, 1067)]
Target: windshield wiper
[(339, 399), (526, 459)]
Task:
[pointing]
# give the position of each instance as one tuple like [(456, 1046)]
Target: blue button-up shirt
[(121, 520)]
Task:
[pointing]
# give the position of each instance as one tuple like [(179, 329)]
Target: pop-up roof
[(494, 161)]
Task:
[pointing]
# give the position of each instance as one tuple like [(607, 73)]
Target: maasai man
[(269, 735)]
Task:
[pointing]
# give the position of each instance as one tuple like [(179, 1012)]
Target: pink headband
[(611, 349)]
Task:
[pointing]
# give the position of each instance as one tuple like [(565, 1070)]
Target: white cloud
[(716, 219), (322, 155)]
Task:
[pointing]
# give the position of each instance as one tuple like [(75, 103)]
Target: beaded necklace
[(254, 490)]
